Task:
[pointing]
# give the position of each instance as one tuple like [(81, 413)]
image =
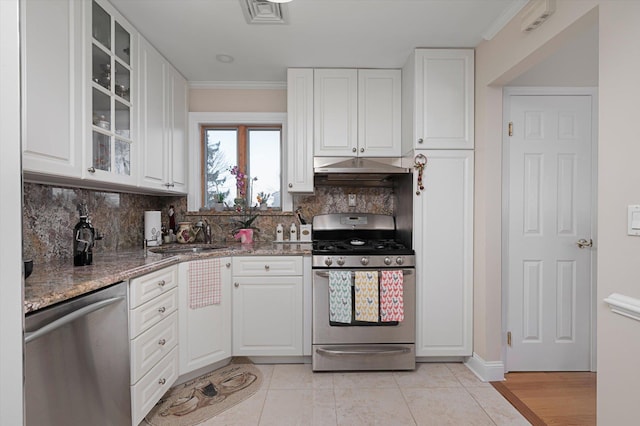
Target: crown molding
[(273, 85)]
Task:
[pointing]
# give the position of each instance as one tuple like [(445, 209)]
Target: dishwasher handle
[(86, 310)]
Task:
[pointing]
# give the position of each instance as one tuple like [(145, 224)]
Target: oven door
[(326, 332), (362, 346)]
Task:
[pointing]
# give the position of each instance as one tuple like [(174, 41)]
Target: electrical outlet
[(352, 200)]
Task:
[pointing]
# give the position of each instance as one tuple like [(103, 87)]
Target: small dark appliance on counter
[(84, 237)]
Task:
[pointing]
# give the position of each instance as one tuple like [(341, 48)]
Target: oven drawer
[(267, 265)]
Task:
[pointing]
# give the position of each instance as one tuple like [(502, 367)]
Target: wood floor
[(562, 398)]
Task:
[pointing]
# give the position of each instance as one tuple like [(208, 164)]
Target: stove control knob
[(340, 261), (387, 261), (364, 261), (328, 261), (399, 260)]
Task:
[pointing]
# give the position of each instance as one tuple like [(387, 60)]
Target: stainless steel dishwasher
[(77, 361)]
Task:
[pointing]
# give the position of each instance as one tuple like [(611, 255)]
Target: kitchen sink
[(187, 250)]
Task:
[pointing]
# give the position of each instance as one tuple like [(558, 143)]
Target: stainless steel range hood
[(360, 172), (375, 165)]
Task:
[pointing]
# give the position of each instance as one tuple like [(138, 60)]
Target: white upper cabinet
[(163, 122), (357, 113), (379, 112), (300, 130), (438, 100), (52, 81), (110, 137)]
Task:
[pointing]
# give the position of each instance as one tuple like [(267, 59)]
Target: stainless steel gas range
[(363, 294)]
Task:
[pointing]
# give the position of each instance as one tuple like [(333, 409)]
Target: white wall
[(11, 390), (618, 186)]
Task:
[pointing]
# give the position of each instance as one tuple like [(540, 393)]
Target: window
[(256, 152)]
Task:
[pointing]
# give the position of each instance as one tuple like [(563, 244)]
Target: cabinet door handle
[(266, 267), (162, 381), (228, 265), (162, 342), (161, 283), (353, 149), (91, 169), (290, 185), (236, 285), (420, 140), (162, 310), (361, 149)]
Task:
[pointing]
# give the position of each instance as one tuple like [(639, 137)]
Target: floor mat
[(204, 397)]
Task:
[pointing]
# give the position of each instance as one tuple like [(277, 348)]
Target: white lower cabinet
[(443, 241), (205, 333), (267, 306), (153, 330)]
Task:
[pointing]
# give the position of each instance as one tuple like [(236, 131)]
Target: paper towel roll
[(152, 228)]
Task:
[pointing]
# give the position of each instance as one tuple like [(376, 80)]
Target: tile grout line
[(404, 398)]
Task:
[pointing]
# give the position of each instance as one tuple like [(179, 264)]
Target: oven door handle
[(325, 274), (353, 351)]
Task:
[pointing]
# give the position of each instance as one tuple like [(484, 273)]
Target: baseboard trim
[(487, 371)]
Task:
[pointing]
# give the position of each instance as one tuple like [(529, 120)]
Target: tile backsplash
[(50, 213)]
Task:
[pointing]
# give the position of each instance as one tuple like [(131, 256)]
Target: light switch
[(633, 220)]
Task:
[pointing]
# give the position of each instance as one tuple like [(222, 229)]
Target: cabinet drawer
[(148, 391), (267, 265), (152, 345), (146, 316), (148, 286)]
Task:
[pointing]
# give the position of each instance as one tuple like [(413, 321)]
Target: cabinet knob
[(420, 140), (361, 149), (290, 185), (161, 283), (266, 267), (236, 285), (91, 169), (228, 265), (162, 310), (353, 150), (162, 342), (162, 381)]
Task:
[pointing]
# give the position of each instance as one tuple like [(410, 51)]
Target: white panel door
[(550, 190)]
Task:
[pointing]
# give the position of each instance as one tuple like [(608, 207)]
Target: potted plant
[(262, 198), (218, 201), (243, 225)]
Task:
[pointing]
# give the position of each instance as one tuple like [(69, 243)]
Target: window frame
[(243, 150), (256, 119)]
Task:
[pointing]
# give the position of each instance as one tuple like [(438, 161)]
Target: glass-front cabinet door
[(112, 104)]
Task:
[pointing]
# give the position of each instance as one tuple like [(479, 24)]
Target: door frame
[(506, 117)]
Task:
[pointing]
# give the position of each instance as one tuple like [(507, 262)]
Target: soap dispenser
[(294, 232), (83, 238)]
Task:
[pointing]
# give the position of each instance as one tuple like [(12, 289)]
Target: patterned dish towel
[(367, 296), (204, 283), (391, 296), (340, 302)]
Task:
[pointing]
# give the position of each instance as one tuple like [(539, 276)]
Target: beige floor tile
[(427, 375), (285, 407), (499, 409), (369, 407), (445, 406), (299, 376), (267, 373), (466, 376), (246, 413), (363, 380)]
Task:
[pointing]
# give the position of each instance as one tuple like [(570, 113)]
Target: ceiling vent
[(264, 12), (536, 13)]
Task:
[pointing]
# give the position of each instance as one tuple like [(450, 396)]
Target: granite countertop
[(54, 282)]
